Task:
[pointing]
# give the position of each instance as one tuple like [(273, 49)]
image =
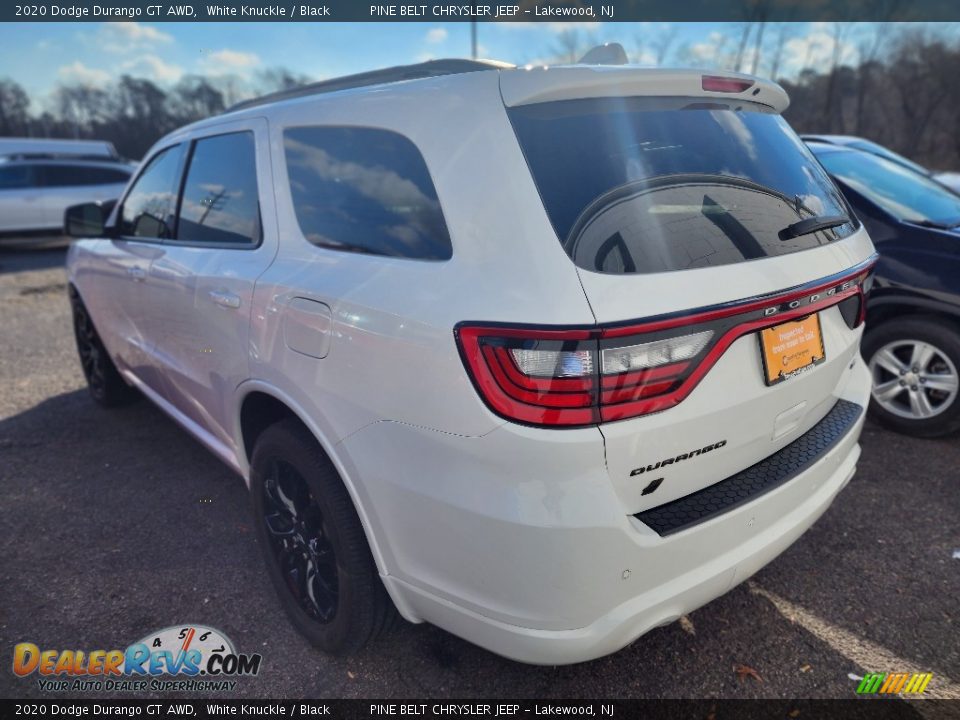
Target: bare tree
[(899, 88), (14, 109), (664, 44), (194, 98), (568, 46), (838, 35), (783, 32), (81, 105), (639, 43), (274, 79), (747, 28), (757, 46)]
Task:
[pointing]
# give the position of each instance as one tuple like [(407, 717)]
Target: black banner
[(468, 11), (854, 709)]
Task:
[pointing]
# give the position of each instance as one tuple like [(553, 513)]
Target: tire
[(914, 363), (106, 384), (308, 528)]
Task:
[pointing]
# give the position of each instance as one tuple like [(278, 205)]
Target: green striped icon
[(894, 683)]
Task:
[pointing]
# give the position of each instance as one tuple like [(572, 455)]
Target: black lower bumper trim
[(779, 468)]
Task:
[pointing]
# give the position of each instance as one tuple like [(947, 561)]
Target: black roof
[(431, 68)]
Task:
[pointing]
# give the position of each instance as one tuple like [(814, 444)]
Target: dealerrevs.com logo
[(196, 657)]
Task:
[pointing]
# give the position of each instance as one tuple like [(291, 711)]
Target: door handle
[(137, 273), (225, 299)]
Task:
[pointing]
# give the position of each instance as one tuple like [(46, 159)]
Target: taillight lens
[(584, 376), (653, 354), (545, 377), (553, 363)]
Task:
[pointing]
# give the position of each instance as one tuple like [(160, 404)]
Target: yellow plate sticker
[(791, 348)]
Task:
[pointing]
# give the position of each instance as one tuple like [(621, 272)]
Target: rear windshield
[(642, 185)]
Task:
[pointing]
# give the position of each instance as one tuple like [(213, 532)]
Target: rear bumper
[(515, 542)]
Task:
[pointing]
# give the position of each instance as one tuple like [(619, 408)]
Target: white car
[(36, 189), (545, 357)]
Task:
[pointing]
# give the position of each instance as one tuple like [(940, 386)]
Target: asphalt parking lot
[(117, 523)]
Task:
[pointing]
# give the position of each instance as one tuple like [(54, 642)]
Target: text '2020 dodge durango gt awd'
[(546, 358)]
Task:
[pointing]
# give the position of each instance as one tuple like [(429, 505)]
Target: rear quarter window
[(364, 190)]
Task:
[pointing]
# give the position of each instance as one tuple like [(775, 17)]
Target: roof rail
[(430, 68)]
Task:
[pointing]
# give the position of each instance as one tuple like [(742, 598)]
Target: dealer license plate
[(791, 348)]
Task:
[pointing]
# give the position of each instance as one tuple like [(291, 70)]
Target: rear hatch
[(720, 261)]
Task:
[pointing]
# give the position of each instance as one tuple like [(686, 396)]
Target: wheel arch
[(259, 405), (883, 309)]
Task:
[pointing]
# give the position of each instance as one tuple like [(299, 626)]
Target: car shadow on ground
[(120, 524), (19, 255)]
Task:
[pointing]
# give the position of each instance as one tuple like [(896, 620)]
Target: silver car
[(36, 189)]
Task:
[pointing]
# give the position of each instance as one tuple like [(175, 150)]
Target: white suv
[(545, 357), (36, 188)]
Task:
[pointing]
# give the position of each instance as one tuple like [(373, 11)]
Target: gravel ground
[(116, 523)]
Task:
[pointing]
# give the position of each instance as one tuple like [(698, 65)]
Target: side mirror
[(87, 220)]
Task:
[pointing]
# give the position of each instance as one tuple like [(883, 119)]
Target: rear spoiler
[(529, 85)]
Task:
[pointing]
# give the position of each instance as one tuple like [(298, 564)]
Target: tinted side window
[(149, 208), (220, 202), (365, 190), (78, 175), (15, 177), (61, 175), (106, 176)]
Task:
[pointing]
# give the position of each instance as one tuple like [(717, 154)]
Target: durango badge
[(678, 458)]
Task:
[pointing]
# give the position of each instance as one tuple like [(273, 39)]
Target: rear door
[(21, 201), (202, 281), (695, 222)]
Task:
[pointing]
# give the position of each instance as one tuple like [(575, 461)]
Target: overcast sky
[(41, 55)]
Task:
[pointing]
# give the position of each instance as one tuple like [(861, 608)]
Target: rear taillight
[(538, 377), (559, 377)]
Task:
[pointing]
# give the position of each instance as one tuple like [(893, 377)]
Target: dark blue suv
[(912, 341)]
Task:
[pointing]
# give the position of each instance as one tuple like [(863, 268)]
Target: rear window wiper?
[(812, 225)]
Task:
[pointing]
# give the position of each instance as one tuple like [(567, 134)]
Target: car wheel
[(315, 548), (107, 386), (914, 365)]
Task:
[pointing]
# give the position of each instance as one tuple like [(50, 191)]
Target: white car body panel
[(40, 207), (563, 575), (199, 308), (23, 209), (520, 539)]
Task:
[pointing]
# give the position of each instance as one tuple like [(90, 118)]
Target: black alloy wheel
[(107, 386), (300, 542), (314, 544)]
